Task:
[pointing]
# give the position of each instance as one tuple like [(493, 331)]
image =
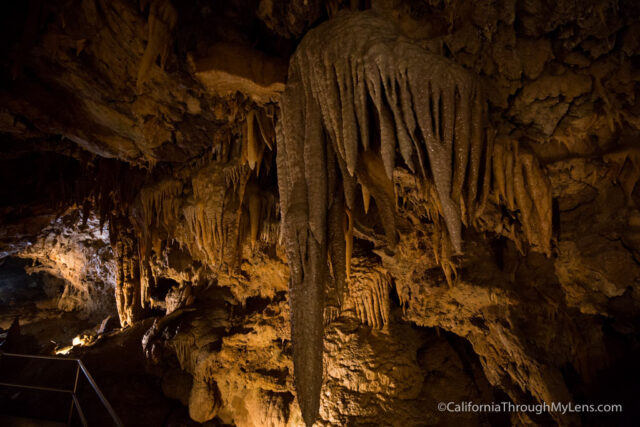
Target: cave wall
[(80, 254), (189, 194)]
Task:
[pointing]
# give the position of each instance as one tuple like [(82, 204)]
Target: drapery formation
[(358, 94), (225, 203)]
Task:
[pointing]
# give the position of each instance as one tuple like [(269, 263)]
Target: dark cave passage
[(16, 286), (33, 301)]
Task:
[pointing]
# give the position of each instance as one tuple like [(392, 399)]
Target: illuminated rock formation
[(343, 119), (438, 203)]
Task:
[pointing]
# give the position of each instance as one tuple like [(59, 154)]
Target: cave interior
[(321, 212)]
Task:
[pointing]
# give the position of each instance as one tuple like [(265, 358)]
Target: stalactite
[(306, 252), (266, 124), (366, 198), (369, 287), (233, 176), (252, 146), (331, 80), (160, 207), (162, 19), (348, 238), (258, 134), (147, 280), (371, 173), (521, 185), (179, 297), (626, 170), (262, 209), (161, 202), (269, 224), (252, 193), (357, 85), (212, 216), (443, 254), (336, 217)]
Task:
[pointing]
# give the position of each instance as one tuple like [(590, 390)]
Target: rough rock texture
[(108, 109), (235, 363), (100, 57), (352, 113), (79, 253), (228, 68)]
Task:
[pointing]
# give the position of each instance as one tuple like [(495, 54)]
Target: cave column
[(128, 285)]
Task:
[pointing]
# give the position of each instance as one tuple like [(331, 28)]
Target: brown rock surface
[(170, 161)]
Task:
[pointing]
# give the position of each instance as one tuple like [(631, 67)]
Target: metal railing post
[(83, 419), (71, 412), (73, 395), (105, 402)]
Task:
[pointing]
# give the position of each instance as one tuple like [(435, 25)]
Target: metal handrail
[(103, 399), (74, 400), (83, 419)]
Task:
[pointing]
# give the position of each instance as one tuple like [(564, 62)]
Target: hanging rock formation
[(162, 20), (344, 117), (128, 291), (408, 171)]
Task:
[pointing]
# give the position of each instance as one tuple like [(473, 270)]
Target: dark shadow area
[(32, 299)]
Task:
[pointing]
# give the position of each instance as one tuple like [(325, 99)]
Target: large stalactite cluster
[(213, 210), (214, 213), (344, 118)]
